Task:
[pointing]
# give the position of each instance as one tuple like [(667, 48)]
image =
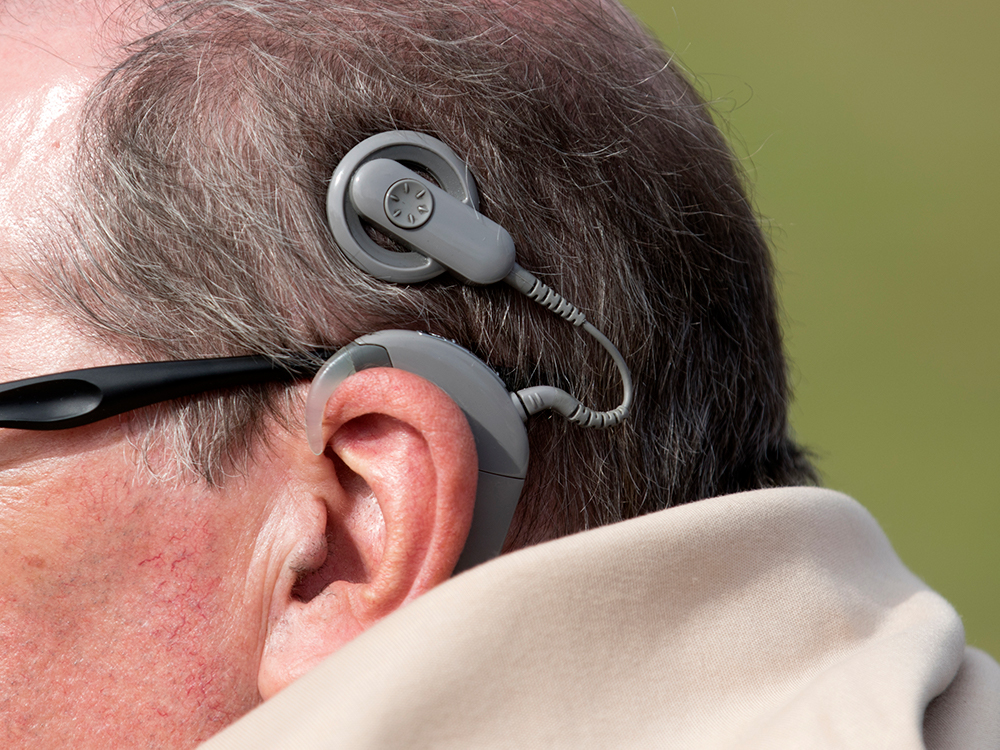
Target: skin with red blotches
[(138, 607), (129, 609)]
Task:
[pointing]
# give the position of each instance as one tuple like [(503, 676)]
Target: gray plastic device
[(496, 420), (381, 183), (446, 231)]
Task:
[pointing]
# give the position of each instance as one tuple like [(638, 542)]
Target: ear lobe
[(398, 480)]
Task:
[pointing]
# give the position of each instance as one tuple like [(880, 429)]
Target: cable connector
[(544, 295)]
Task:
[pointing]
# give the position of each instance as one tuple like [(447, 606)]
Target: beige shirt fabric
[(771, 619)]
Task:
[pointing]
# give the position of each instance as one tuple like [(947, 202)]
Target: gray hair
[(198, 230)]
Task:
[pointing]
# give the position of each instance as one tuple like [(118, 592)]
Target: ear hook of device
[(441, 229)]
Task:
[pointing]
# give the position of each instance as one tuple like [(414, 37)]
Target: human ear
[(397, 482)]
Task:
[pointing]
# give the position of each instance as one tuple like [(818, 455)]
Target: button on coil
[(408, 204)]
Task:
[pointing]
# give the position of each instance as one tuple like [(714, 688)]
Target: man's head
[(162, 197)]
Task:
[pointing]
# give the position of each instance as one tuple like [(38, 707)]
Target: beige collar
[(776, 618)]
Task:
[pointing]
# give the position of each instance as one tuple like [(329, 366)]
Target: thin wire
[(539, 398)]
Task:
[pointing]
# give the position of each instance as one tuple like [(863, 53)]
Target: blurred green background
[(870, 133)]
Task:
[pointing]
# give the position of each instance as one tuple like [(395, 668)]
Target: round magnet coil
[(419, 152)]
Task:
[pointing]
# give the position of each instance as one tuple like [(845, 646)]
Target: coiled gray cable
[(540, 397)]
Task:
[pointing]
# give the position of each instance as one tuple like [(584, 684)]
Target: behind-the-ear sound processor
[(382, 182)]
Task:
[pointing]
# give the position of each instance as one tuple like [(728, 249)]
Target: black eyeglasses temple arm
[(79, 397)]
